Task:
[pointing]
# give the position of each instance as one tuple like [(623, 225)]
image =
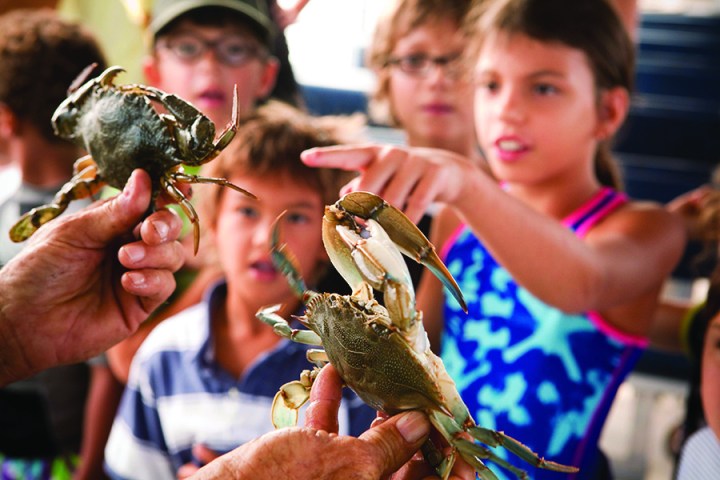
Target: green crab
[(121, 130), (382, 352)]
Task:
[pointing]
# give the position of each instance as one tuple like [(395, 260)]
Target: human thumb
[(398, 438), (122, 213)]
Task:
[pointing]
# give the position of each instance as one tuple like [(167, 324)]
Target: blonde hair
[(403, 17)]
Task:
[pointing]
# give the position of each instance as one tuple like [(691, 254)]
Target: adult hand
[(408, 178), (690, 207), (317, 451), (287, 15), (85, 282)]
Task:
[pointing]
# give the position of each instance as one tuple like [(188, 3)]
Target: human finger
[(151, 286), (346, 157), (325, 396), (387, 175), (397, 439), (418, 202), (161, 226), (118, 215), (138, 255)]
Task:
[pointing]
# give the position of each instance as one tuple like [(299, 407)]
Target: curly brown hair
[(269, 142), (41, 55)]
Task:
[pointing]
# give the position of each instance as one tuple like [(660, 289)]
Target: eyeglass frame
[(449, 64), (255, 50)]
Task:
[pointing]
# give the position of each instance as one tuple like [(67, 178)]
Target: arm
[(622, 260), (84, 282), (103, 398)]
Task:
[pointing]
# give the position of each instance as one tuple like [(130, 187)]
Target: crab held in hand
[(382, 352), (121, 130)]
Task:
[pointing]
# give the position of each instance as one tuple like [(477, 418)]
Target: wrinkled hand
[(408, 178), (316, 451), (85, 282)]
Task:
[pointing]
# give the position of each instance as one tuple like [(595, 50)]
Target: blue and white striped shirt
[(700, 457), (178, 396)]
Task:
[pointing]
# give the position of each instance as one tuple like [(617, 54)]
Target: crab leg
[(282, 328), (185, 178), (85, 183), (284, 259)]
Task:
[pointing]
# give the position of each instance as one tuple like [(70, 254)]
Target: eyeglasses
[(233, 51), (420, 64)]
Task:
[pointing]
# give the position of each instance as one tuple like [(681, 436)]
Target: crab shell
[(121, 130)]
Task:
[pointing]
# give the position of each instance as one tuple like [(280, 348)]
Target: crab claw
[(403, 233), (285, 261)]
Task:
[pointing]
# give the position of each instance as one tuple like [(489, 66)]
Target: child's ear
[(269, 77), (8, 122), (151, 71), (613, 108)]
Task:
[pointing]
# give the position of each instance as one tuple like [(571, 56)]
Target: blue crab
[(121, 130), (382, 352)]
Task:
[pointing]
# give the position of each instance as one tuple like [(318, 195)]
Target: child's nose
[(510, 106), (262, 233)]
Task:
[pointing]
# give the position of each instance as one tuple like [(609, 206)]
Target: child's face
[(536, 109), (207, 81), (242, 235), (434, 107), (710, 382)]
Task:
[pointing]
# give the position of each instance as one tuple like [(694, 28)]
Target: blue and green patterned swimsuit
[(544, 377)]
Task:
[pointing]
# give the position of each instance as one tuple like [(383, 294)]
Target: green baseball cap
[(165, 11)]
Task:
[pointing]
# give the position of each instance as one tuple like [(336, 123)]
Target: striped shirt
[(700, 457), (179, 396)]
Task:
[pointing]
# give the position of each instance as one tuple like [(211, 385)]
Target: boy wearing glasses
[(201, 49)]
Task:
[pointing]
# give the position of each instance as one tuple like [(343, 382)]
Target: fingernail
[(135, 252), (162, 229), (307, 156), (136, 278), (413, 426)]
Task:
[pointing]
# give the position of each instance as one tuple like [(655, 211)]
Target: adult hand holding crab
[(87, 281), (317, 451)]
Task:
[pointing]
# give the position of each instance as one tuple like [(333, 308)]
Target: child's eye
[(488, 85), (545, 89), (297, 218), (247, 212)]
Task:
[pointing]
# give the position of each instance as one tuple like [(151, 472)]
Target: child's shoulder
[(187, 330), (642, 215)]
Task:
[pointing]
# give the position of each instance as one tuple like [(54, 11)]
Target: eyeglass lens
[(232, 50)]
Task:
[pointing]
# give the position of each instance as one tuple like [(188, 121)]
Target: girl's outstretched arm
[(618, 269)]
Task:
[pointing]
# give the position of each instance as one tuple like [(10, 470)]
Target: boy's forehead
[(189, 26), (247, 15)]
